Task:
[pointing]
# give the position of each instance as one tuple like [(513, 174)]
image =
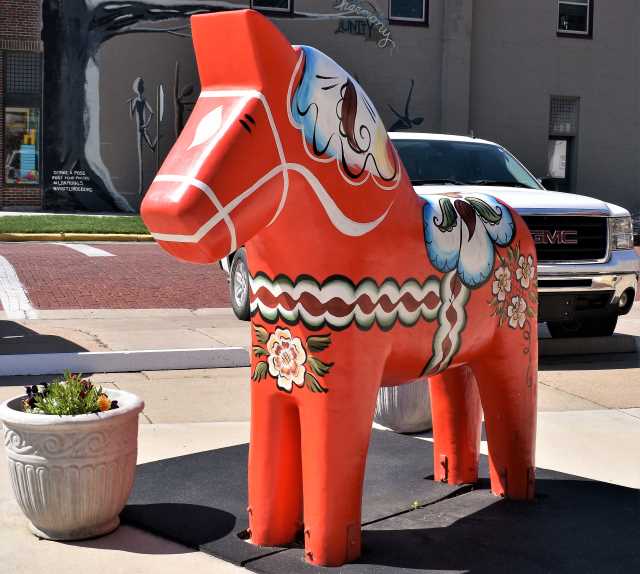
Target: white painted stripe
[(340, 221), (13, 297), (88, 250), (124, 361), (202, 186)]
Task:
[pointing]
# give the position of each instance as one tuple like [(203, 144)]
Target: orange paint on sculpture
[(355, 283)]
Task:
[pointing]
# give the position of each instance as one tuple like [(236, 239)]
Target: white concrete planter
[(406, 408), (72, 475)]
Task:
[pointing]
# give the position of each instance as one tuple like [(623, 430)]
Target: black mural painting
[(73, 32), (75, 176)]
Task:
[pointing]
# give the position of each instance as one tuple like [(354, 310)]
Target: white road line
[(13, 297), (88, 250)]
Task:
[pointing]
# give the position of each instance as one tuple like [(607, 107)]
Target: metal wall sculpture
[(356, 283)]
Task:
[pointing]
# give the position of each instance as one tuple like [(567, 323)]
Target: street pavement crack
[(95, 338)]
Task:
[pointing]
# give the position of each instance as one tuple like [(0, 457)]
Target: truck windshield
[(462, 163)]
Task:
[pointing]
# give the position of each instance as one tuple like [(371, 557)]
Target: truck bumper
[(573, 291)]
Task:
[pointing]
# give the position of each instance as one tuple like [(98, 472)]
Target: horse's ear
[(239, 49)]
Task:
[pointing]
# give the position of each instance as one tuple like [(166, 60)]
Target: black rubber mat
[(574, 525), (200, 500)]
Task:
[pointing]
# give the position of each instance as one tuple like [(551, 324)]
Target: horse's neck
[(326, 222)]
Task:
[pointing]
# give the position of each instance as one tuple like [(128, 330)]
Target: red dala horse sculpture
[(356, 282)]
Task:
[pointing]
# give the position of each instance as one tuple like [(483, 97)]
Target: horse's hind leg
[(507, 381), (457, 418), (275, 469)]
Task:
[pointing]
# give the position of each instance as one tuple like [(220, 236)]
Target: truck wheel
[(603, 326), (239, 285)]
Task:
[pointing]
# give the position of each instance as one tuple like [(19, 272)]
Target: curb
[(570, 347), (75, 237), (124, 361)]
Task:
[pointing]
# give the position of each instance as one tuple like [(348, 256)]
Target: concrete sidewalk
[(588, 424), (122, 330)]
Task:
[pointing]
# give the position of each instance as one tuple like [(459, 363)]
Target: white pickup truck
[(587, 266)]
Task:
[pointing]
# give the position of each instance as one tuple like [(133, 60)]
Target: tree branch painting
[(73, 32)]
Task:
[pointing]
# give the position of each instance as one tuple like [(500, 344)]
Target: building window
[(575, 18), (23, 82), (22, 138), (273, 5), (409, 11), (561, 148), (563, 116)]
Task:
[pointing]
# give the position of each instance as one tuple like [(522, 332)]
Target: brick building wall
[(20, 24)]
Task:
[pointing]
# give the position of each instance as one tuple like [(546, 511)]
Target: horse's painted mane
[(338, 121)]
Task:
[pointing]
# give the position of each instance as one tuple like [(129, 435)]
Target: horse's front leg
[(336, 428), (275, 471)]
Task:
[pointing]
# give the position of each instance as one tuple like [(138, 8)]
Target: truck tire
[(239, 285), (603, 326)]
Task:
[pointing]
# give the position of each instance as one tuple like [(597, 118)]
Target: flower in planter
[(71, 395), (104, 404)]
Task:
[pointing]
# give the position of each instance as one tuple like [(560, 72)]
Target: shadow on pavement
[(573, 526), (594, 362), (16, 339)]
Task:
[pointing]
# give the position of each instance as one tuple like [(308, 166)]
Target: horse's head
[(229, 152), (227, 175)]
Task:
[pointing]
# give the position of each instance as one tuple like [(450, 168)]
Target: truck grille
[(560, 238)]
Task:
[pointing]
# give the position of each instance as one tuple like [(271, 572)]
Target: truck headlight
[(621, 233)]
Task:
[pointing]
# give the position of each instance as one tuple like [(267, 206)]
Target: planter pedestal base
[(81, 534)]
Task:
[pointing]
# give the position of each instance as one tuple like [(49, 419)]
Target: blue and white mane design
[(338, 121)]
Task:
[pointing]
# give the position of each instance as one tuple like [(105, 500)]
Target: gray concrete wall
[(518, 63), (385, 68), (384, 72)]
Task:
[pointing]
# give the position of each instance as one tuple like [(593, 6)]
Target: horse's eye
[(245, 125)]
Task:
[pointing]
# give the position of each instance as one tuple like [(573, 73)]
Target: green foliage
[(313, 385), (484, 210), (72, 224), (71, 395), (260, 372), (319, 367), (262, 335), (449, 215), (259, 351), (319, 343)]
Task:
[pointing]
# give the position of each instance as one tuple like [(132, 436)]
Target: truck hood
[(533, 201)]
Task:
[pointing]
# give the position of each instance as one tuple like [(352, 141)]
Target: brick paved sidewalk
[(137, 276)]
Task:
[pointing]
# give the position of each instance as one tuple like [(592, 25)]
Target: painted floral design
[(502, 283), (515, 299), (514, 302), (286, 359), (289, 360), (525, 270), (517, 312), (461, 233)]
